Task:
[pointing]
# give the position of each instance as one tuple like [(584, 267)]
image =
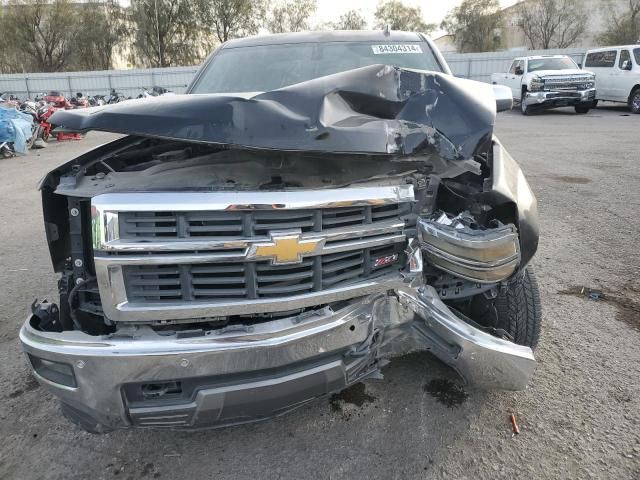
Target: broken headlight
[(480, 255)]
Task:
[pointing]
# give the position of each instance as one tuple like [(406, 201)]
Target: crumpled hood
[(371, 110)]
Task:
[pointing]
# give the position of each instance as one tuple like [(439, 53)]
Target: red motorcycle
[(43, 113), (57, 99), (53, 101)]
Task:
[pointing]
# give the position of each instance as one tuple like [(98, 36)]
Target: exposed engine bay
[(460, 204)]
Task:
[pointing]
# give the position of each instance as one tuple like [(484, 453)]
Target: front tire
[(514, 313), (634, 101), (582, 109), (518, 309), (524, 108)]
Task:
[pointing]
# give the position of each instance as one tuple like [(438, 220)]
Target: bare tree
[(233, 18), (475, 25), (165, 32), (39, 34), (623, 27), (291, 16), (552, 23), (351, 20), (401, 17)]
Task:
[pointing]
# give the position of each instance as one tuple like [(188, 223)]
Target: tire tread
[(519, 309)]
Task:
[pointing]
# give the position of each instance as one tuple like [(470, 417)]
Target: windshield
[(269, 67), (552, 64), (636, 53)]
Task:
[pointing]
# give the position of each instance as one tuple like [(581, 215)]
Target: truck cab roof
[(322, 37)]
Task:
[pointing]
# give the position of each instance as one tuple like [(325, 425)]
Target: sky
[(433, 11)]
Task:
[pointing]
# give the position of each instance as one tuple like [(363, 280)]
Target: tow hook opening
[(161, 390)]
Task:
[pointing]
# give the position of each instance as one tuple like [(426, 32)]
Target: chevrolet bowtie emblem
[(285, 248)]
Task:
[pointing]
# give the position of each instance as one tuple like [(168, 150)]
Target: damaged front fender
[(509, 187)]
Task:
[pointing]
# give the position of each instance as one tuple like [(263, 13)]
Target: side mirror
[(627, 65), (580, 66), (504, 97), (519, 71)]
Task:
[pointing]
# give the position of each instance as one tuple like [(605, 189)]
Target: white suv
[(617, 72)]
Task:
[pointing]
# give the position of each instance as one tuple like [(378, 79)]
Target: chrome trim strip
[(121, 310), (104, 261), (195, 201), (176, 244)]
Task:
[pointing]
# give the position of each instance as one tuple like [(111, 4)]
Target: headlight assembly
[(483, 256), (537, 85)]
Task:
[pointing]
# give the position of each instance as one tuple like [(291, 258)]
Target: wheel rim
[(635, 102), (523, 105)]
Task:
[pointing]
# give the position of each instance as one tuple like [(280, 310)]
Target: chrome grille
[(580, 82), (198, 282), (175, 224), (193, 256)]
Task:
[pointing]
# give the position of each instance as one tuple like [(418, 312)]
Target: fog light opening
[(55, 372)]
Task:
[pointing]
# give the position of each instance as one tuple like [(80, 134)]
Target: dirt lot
[(579, 418)]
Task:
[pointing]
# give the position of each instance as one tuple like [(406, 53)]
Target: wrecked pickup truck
[(315, 205)]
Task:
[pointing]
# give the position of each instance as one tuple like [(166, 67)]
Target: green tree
[(165, 32), (552, 23), (38, 35), (401, 17), (351, 20), (101, 30), (233, 18), (475, 25), (291, 16), (623, 27)]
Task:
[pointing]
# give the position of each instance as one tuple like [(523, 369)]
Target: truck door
[(514, 77)]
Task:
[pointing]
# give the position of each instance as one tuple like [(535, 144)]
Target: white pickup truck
[(548, 81)]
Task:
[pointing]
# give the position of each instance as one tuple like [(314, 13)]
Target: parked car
[(548, 81), (317, 204), (617, 71)]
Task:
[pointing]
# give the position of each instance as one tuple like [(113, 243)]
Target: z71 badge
[(386, 260)]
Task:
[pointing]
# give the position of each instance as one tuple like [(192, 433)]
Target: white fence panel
[(127, 82), (476, 66)]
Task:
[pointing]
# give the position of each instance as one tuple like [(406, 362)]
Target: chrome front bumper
[(257, 372), (567, 97)]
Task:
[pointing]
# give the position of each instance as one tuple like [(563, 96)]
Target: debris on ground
[(625, 299), (514, 425)]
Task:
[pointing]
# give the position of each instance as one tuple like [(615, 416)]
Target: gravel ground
[(579, 417)]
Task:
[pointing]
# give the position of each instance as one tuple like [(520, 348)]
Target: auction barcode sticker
[(396, 48)]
